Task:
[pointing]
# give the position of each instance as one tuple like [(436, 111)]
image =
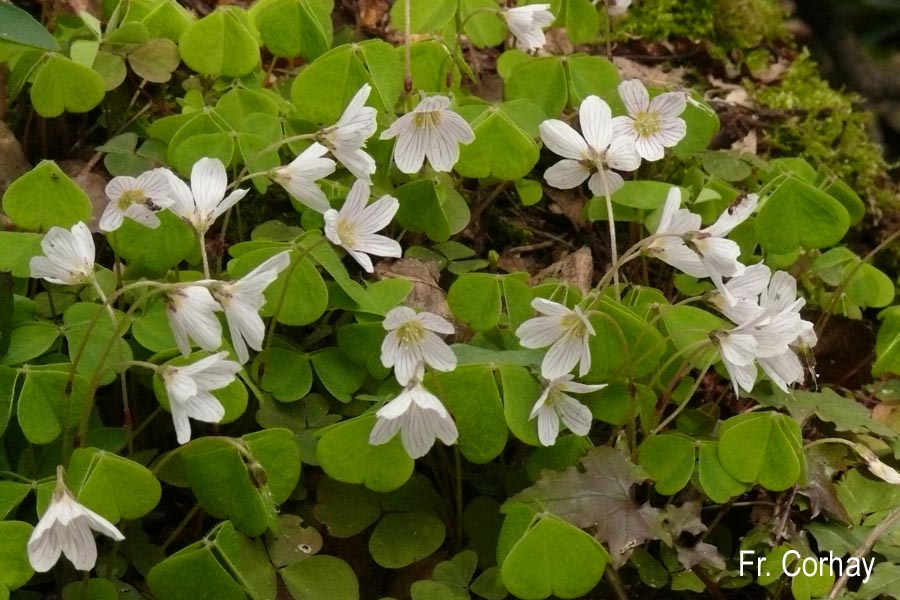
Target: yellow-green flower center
[(574, 326), (411, 333), (130, 197), (346, 231), (646, 123), (427, 119)]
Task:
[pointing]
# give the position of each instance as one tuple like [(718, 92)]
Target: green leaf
[(726, 166), (339, 73), (19, 27), (401, 539), (43, 402), (502, 148), (95, 589), (844, 194), (715, 481), (798, 215), (689, 327), (580, 19), (243, 479), (321, 578), (470, 394), (887, 344), (541, 80), (29, 341), (46, 197), (644, 195), (520, 392), (702, 124), (868, 286), (292, 28), (345, 509), (87, 325), (426, 16), (113, 486), (484, 28), (220, 44), (530, 191), (776, 462), (155, 60), (18, 250), (226, 565), (432, 207), (11, 495), (15, 570), (589, 75), (624, 343), (553, 558), (62, 85), (884, 582), (669, 459), (345, 454), (284, 372), (474, 299), (339, 375)]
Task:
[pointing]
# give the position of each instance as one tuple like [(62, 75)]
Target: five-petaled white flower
[(205, 200), (768, 338), (347, 138), (655, 124), (701, 252), (68, 256), (192, 315), (527, 24), (300, 176), (412, 342), (354, 226), (566, 331), (242, 299), (136, 198), (556, 405), (65, 528), (745, 290), (591, 155), (189, 390), (430, 130), (419, 417)]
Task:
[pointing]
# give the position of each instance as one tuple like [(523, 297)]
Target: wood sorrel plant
[(643, 433)]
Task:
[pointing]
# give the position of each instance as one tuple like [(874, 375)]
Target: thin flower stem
[(407, 46), (684, 402), (613, 250), (460, 507), (126, 412), (184, 523), (865, 548), (203, 255), (137, 430)]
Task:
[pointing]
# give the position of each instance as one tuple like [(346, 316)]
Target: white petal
[(601, 179), (112, 217), (623, 155), (561, 357), (596, 122), (733, 216), (437, 353), (669, 105), (208, 183), (78, 544), (649, 148), (378, 215), (396, 407), (435, 323), (635, 96), (362, 259), (671, 132), (783, 370), (575, 415), (548, 425), (566, 174), (623, 127), (539, 332), (738, 348), (384, 430), (562, 139), (398, 316)]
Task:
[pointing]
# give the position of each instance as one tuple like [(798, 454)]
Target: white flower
[(768, 337), (617, 7), (412, 342), (68, 256), (242, 300), (205, 201), (189, 387), (347, 138), (655, 124), (527, 23), (354, 226), (65, 528), (701, 252), (566, 331), (136, 198), (431, 129), (555, 405), (419, 417), (300, 176), (192, 315), (592, 155), (745, 290)]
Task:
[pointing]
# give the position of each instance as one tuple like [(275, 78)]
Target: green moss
[(725, 25), (826, 127)]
